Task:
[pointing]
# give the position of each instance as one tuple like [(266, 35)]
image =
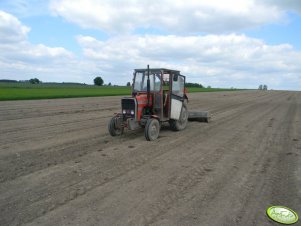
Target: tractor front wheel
[(113, 127), (152, 129)]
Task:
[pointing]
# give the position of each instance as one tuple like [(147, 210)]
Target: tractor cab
[(158, 95), (166, 91)]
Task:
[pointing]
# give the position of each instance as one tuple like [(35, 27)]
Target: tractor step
[(200, 116)]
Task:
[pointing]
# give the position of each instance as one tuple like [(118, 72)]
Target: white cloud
[(11, 30), (19, 59), (217, 60), (175, 16), (288, 5)]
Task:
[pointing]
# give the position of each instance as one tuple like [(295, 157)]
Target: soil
[(60, 166)]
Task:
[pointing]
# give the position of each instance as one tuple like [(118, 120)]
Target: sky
[(241, 44)]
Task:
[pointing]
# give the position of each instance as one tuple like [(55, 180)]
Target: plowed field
[(59, 165)]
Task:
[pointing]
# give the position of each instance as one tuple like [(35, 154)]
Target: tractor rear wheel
[(113, 129), (152, 129), (180, 124)]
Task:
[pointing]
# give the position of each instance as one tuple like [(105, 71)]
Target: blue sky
[(287, 31), (211, 42)]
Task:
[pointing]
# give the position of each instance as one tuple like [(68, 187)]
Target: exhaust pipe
[(148, 87)]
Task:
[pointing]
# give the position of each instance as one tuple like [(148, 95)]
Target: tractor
[(158, 95)]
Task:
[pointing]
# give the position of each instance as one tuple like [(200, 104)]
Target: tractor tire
[(113, 130), (177, 125), (152, 129)]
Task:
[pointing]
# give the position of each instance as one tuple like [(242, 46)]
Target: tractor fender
[(155, 116)]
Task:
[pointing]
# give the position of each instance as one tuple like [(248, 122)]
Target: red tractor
[(158, 95)]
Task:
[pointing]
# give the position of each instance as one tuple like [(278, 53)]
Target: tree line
[(263, 87), (189, 84), (98, 81), (32, 81)]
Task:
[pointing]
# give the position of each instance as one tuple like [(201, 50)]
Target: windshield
[(140, 83)]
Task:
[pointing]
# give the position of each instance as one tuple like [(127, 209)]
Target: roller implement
[(158, 95)]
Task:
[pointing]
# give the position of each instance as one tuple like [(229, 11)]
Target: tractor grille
[(128, 107), (128, 104)]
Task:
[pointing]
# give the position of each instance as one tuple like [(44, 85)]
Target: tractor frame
[(158, 95)]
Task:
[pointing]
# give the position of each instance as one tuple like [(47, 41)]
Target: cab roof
[(157, 69)]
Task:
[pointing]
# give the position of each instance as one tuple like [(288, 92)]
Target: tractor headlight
[(123, 111), (132, 112)]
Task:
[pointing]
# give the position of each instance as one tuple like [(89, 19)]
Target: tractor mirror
[(175, 78)]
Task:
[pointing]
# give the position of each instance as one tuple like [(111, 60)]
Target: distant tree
[(260, 87), (128, 84), (98, 81), (265, 87), (109, 84), (189, 84), (208, 87), (34, 81)]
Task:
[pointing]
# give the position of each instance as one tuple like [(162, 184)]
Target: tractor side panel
[(142, 103), (176, 107)]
